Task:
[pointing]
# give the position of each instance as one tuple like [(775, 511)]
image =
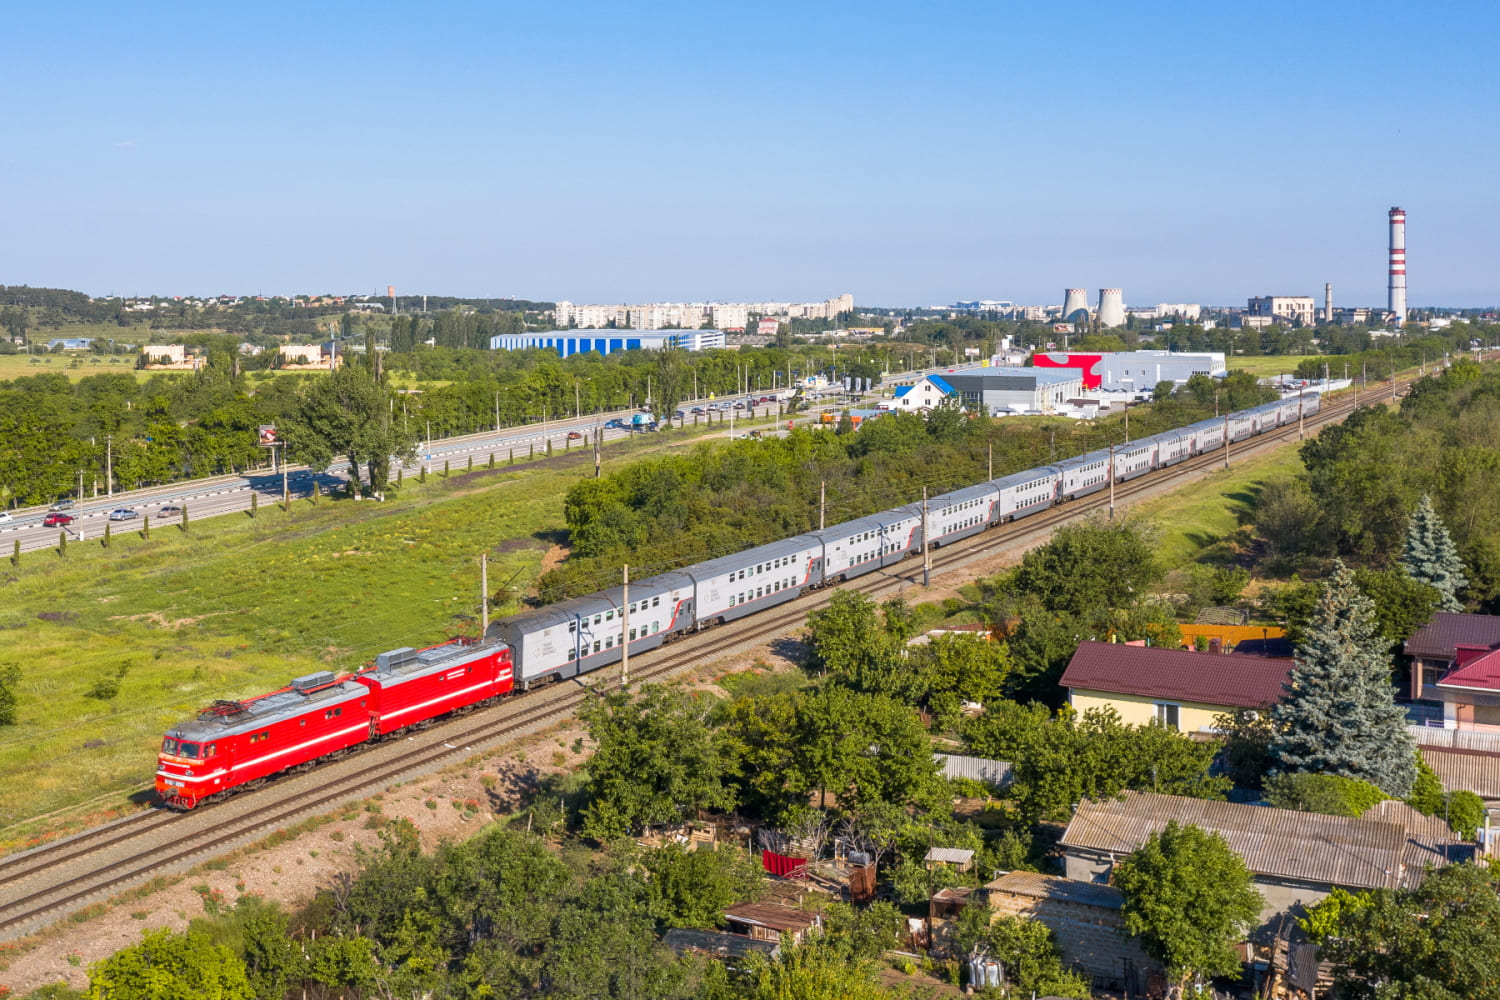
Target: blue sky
[(907, 153)]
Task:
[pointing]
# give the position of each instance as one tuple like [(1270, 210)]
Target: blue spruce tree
[(1430, 556), (1338, 714)]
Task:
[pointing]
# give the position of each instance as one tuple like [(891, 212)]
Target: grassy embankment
[(237, 606), (1199, 521)]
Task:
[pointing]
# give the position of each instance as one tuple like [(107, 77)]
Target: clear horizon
[(789, 152)]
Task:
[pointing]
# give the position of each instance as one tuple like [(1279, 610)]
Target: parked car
[(574, 436), (679, 415), (123, 514), (62, 505), (5, 517), (170, 509), (58, 520)]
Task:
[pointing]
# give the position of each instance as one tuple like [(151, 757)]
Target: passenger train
[(237, 744)]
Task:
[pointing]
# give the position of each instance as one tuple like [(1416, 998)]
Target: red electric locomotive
[(238, 744), (234, 744), (413, 686)]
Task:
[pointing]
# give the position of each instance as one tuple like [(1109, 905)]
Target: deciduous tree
[(167, 966), (1190, 898), (655, 761), (1439, 941)]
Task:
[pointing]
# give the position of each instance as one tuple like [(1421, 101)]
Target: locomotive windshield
[(189, 750), (171, 746)]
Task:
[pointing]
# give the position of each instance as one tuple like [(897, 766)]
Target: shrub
[(1332, 794)]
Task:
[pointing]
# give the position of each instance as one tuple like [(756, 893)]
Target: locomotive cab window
[(189, 750), (211, 749), (169, 745)]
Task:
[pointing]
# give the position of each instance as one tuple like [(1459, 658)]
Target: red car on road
[(55, 520)]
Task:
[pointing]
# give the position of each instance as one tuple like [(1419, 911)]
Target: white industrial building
[(1010, 390), (1297, 310), (568, 342), (1133, 371)]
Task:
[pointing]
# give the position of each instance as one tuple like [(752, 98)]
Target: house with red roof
[(1177, 688), (1434, 647), (1470, 689)]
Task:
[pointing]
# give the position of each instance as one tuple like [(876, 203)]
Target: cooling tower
[(1111, 308), (1075, 305), (1396, 290)]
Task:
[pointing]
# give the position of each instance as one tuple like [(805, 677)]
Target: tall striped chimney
[(1396, 298)]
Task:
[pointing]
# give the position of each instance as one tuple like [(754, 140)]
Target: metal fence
[(991, 772)]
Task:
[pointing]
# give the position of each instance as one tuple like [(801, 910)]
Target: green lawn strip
[(1199, 515), (1268, 365), (236, 607)]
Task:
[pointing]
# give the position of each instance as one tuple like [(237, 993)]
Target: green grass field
[(75, 366), (236, 606), (1200, 518), (1265, 367)]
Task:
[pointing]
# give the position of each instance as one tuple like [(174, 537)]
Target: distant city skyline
[(675, 152)]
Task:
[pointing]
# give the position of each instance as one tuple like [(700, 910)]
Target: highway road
[(230, 494)]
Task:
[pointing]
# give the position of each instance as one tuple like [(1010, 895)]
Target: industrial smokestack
[(391, 291), (1396, 298), (1075, 301), (1328, 302), (1111, 308)]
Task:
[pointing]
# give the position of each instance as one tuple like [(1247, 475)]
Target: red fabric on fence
[(777, 864)]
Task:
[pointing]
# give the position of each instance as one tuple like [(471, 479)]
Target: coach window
[(656, 601), (632, 635), (609, 616), (596, 645), (609, 642)]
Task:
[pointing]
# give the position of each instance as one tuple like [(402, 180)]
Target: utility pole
[(577, 404), (1301, 406), (484, 594), (1112, 480), (1127, 421), (286, 496), (926, 544), (597, 447), (80, 486), (109, 464), (992, 460), (822, 502), (497, 412), (625, 630), (1226, 440)]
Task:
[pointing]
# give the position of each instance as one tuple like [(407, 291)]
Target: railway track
[(65, 875)]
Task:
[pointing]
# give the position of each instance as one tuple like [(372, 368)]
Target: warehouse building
[(568, 342), (1001, 391), (1135, 371)]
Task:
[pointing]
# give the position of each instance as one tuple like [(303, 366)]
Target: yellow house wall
[(1192, 716)]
